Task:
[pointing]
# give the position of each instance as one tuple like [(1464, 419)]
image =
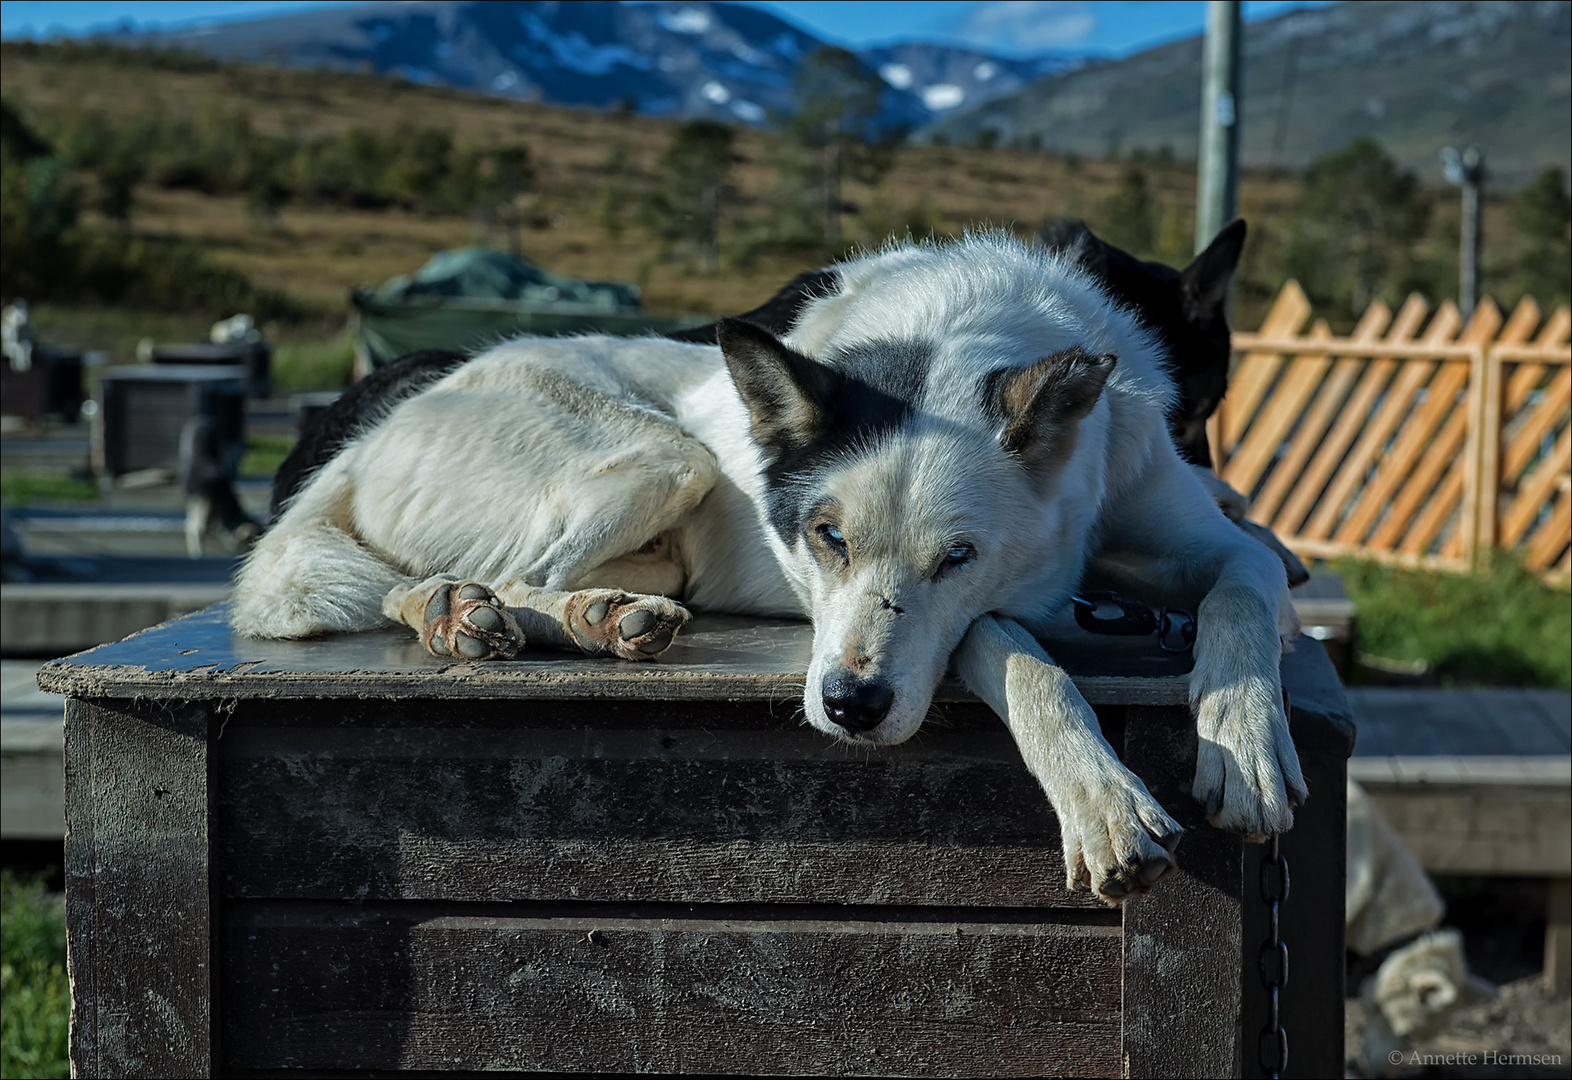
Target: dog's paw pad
[(469, 621), (632, 627), (635, 624)]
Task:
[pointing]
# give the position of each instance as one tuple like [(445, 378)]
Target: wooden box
[(347, 858), (145, 409)]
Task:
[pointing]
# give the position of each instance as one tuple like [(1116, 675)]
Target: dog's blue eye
[(832, 536), (957, 555)]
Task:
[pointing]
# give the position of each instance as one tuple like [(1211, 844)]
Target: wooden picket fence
[(1405, 442)]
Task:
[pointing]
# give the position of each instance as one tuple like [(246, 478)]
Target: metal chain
[(1272, 959)]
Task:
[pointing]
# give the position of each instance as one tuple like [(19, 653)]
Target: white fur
[(541, 465)]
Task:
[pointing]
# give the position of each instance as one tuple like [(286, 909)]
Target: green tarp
[(470, 298)]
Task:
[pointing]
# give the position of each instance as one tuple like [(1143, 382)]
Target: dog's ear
[(1072, 238), (786, 392), (1040, 404), (1204, 283)]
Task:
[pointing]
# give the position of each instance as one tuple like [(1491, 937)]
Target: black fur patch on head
[(1187, 309), (779, 312), (808, 414)]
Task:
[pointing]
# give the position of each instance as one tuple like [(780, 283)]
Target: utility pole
[(1467, 171), (1217, 155), (1217, 179)]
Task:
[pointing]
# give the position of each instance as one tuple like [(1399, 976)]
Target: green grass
[(1501, 627), (313, 365), (22, 488), (264, 454), (35, 997)]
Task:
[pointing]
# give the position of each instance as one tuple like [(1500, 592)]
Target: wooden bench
[(1477, 782), (346, 856)]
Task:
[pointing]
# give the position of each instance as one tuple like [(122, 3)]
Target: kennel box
[(344, 857), (145, 408), (255, 357), (51, 386)]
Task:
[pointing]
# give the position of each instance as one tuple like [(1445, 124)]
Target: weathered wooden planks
[(139, 890), (712, 991), (539, 800), (427, 884)]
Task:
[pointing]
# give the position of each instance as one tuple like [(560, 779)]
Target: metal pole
[(1467, 171), (1217, 179)]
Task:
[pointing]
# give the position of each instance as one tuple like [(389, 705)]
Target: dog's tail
[(309, 574)]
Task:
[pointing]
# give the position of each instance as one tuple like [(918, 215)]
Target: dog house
[(346, 857)]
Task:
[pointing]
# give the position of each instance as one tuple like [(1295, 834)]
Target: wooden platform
[(1477, 782), (348, 856), (1474, 781)]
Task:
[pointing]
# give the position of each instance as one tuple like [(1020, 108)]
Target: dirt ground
[(1503, 927), (1522, 1020)]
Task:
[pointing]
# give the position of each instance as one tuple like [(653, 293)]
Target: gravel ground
[(1503, 925), (1523, 1021)]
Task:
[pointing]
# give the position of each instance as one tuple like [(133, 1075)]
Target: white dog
[(927, 467)]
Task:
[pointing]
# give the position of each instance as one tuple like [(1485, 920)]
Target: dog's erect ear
[(1204, 283), (1040, 404), (786, 392), (1071, 237)]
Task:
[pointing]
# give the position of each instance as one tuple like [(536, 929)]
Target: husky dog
[(926, 466)]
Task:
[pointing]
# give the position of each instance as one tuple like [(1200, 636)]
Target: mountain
[(684, 58), (1415, 75)]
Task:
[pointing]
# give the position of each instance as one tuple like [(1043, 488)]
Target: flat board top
[(716, 657)]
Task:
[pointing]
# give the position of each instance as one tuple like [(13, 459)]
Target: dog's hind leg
[(308, 575), (1117, 839), (475, 622), (454, 618)]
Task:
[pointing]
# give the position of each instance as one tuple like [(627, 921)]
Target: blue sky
[(1111, 27)]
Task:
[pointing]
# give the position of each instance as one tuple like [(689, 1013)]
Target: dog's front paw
[(1118, 842), (632, 627), (467, 621), (1246, 769)]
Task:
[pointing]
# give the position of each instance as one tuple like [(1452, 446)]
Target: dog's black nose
[(856, 704)]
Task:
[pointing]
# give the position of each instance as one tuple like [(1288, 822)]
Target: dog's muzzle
[(857, 705)]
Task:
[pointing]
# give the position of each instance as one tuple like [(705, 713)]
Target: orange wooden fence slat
[(1251, 377), (1328, 399), (1273, 421), (1552, 538), (1558, 328), (1484, 459), (1544, 418), (1443, 505), (1330, 452), (1412, 423), (1399, 462), (1352, 474), (1536, 488), (1439, 456)]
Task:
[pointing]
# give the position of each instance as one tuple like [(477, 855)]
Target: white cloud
[(1025, 25), (715, 92)]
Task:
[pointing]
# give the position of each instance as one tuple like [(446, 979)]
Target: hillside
[(674, 58), (1415, 75), (319, 252), (190, 128)]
